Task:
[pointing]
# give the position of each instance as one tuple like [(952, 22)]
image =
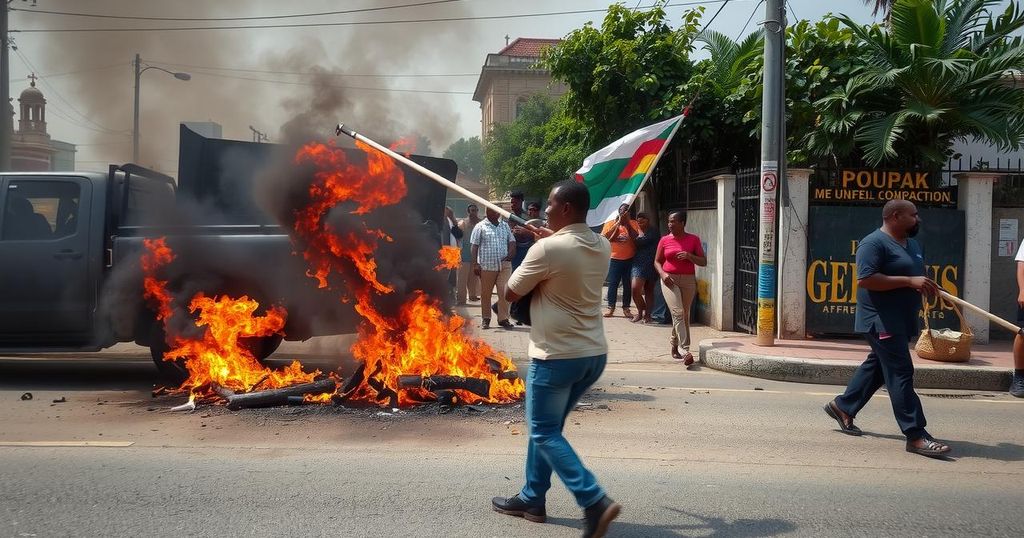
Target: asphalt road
[(688, 453)]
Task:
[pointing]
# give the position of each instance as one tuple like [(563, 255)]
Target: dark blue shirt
[(894, 311)]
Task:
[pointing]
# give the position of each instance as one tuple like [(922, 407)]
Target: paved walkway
[(833, 362)]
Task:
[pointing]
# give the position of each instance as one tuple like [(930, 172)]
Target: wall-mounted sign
[(832, 269), (875, 187)]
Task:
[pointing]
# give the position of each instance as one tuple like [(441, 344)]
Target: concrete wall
[(704, 223), (1003, 290)]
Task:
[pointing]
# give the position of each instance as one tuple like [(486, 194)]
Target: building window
[(520, 104)]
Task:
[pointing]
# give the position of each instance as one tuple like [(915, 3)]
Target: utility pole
[(6, 122), (135, 111), (773, 151)]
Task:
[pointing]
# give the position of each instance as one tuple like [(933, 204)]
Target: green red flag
[(615, 173)]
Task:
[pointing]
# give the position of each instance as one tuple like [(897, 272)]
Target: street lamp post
[(135, 124)]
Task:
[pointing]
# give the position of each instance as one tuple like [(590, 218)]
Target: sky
[(387, 80)]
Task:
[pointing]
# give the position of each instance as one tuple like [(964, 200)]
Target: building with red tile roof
[(509, 78)]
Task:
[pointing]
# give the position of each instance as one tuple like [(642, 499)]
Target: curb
[(839, 372)]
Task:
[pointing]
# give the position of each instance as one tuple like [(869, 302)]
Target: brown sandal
[(675, 354)]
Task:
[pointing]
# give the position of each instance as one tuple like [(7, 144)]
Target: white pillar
[(725, 263), (975, 200), (792, 290)]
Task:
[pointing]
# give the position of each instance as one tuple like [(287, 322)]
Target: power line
[(715, 16), (358, 88), (354, 23), (752, 13), (214, 19), (313, 73), (75, 72)]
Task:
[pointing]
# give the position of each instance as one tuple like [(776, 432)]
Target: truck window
[(40, 210)]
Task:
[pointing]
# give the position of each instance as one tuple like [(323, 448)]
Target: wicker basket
[(945, 345)]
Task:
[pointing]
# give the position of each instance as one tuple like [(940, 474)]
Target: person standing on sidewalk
[(493, 250), (622, 233), (524, 237), (1017, 385), (467, 282), (890, 281), (677, 256), (568, 349), (644, 273)]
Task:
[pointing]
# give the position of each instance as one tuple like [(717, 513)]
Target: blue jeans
[(620, 275), (552, 389)]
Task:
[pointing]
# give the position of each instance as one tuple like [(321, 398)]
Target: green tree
[(933, 75), (468, 153), (625, 74), (541, 147), (821, 57), (718, 129)]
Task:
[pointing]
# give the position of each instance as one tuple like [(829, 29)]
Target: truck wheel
[(264, 347), (173, 372)]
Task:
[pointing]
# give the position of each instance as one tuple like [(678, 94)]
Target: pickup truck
[(70, 244)]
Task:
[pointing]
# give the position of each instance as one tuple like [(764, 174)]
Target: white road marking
[(104, 444), (808, 393)]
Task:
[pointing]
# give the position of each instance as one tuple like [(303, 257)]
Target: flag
[(615, 173)]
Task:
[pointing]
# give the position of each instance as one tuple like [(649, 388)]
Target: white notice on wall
[(1007, 237)]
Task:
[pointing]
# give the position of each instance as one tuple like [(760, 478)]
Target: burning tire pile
[(411, 353)]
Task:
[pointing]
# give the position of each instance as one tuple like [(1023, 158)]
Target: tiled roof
[(527, 47)]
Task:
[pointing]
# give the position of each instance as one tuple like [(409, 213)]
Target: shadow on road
[(703, 526), (968, 449), (77, 374)]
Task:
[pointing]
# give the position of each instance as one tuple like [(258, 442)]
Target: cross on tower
[(33, 78), (506, 40)]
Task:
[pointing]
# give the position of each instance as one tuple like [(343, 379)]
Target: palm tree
[(934, 75), (881, 6), (731, 60)]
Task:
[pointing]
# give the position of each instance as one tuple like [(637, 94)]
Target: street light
[(138, 73)]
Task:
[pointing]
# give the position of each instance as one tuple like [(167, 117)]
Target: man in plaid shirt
[(494, 246)]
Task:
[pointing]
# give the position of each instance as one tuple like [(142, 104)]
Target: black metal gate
[(748, 196)]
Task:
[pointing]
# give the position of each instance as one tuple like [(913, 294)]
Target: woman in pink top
[(676, 260)]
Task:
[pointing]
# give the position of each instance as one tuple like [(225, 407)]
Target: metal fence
[(677, 187)]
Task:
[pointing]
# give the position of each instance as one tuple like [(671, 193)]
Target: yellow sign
[(876, 186)]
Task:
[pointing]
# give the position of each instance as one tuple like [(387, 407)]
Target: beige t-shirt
[(567, 269)]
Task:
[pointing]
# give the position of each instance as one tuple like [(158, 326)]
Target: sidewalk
[(833, 362)]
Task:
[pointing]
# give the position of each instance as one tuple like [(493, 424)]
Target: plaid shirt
[(493, 240)]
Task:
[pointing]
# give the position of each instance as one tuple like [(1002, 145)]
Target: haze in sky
[(388, 80)]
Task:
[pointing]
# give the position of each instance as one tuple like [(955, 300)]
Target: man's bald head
[(892, 207), (900, 218)]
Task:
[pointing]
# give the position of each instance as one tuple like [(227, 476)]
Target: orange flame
[(157, 254), (451, 258), (423, 340), (219, 356)]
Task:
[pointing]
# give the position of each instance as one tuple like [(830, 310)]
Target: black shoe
[(505, 324), (832, 410), (514, 506), (598, 516), (486, 324)]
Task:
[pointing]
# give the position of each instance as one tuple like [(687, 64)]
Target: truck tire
[(174, 372), (264, 347)]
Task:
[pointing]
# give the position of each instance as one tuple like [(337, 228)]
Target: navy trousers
[(888, 364)]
